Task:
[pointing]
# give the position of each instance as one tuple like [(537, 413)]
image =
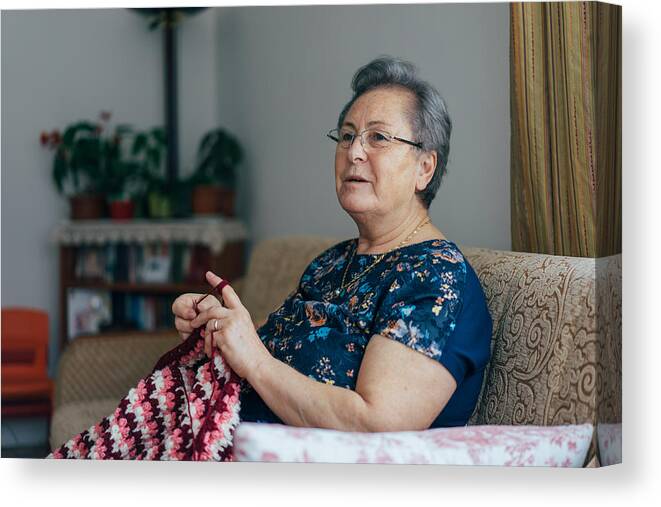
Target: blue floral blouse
[(425, 296)]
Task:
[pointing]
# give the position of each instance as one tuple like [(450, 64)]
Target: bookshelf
[(122, 277)]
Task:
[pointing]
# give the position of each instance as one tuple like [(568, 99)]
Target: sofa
[(556, 357)]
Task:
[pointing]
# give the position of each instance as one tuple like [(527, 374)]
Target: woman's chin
[(352, 205)]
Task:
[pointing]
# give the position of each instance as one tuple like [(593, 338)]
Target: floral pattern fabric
[(493, 445), (417, 295)]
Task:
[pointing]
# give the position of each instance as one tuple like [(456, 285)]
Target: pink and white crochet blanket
[(186, 409)]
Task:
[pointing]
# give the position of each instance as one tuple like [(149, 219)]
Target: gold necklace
[(357, 277)]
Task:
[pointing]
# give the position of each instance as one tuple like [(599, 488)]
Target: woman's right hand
[(183, 309)]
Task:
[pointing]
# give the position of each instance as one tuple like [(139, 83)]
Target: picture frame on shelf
[(88, 311)]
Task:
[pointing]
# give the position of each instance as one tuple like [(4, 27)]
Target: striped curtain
[(566, 111)]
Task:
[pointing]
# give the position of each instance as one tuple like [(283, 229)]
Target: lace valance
[(211, 232)]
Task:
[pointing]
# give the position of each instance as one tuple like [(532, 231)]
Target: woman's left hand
[(230, 328)]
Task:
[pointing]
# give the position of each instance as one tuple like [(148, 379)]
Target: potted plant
[(214, 177), (120, 176), (147, 154), (79, 164)]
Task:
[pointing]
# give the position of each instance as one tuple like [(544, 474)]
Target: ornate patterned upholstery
[(555, 359)]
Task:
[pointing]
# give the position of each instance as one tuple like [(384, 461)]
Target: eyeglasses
[(370, 139)]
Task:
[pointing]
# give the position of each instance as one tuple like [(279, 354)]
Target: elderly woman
[(388, 331)]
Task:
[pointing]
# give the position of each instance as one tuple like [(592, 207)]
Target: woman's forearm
[(301, 401)]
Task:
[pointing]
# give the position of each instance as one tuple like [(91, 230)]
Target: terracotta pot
[(121, 210), (213, 200), (87, 206)]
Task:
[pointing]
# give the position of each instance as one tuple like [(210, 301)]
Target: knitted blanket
[(186, 409)]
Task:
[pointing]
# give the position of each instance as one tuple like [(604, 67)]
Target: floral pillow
[(555, 446)]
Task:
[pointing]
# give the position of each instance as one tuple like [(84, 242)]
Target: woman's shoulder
[(426, 267), (439, 254), (442, 266), (443, 250)]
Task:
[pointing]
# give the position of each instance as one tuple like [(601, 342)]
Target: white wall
[(59, 66), (285, 74)]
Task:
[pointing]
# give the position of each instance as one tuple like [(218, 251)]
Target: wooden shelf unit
[(229, 263)]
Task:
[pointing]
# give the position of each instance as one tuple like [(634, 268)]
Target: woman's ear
[(426, 168)]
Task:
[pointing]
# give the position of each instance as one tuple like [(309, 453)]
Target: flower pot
[(121, 210), (213, 200), (87, 206), (159, 205)]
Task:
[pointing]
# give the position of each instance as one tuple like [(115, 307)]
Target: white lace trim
[(211, 232)]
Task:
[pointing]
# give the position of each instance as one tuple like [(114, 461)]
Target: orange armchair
[(26, 389)]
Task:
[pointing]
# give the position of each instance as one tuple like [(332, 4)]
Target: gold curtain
[(565, 72)]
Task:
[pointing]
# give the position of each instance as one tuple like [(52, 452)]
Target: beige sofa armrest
[(94, 368)]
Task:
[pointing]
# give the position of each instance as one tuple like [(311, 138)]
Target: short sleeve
[(420, 310)]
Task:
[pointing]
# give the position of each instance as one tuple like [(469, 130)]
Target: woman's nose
[(356, 150)]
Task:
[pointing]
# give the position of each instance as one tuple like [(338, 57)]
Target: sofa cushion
[(70, 419), (275, 268), (562, 446)]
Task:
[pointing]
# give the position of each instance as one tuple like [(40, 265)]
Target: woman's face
[(391, 174)]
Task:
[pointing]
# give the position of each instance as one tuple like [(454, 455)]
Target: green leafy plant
[(84, 156), (147, 155), (87, 157), (218, 155), (121, 178)]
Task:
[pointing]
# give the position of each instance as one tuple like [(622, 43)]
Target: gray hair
[(429, 121)]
